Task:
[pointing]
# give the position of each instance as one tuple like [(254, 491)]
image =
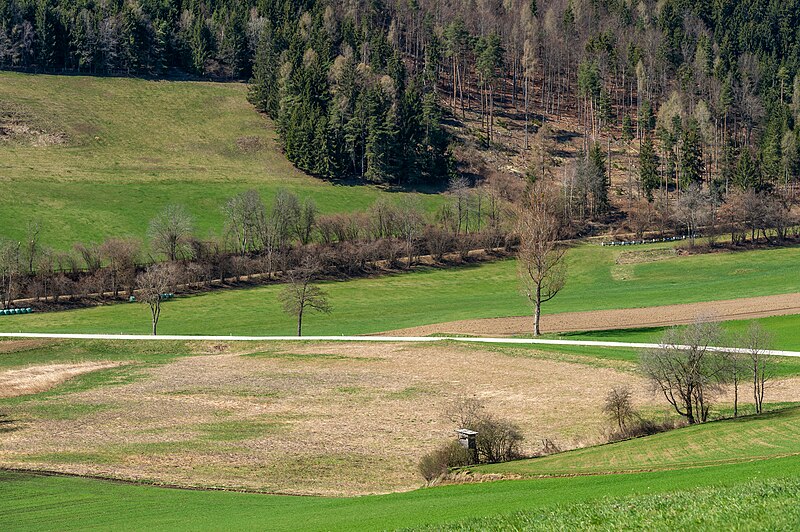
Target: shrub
[(645, 427), (498, 439), (436, 463)]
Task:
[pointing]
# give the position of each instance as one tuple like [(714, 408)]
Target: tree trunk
[(155, 309), (300, 322), (537, 312)]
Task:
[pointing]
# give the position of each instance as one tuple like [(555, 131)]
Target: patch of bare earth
[(732, 309), (326, 419), (36, 379)]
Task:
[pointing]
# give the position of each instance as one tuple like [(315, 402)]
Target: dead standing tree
[(300, 294), (151, 285), (541, 264)]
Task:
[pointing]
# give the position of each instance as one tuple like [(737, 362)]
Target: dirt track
[(731, 309)]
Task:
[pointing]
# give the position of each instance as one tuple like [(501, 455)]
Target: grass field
[(307, 415), (440, 295), (774, 434), (307, 418), (780, 366), (785, 331), (41, 503), (134, 146), (757, 505)]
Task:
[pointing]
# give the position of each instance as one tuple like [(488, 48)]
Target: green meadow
[(721, 442), (784, 332), (134, 146), (439, 295), (34, 502)]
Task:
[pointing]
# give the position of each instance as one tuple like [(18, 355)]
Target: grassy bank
[(785, 331)]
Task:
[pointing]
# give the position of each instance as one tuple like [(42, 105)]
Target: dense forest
[(698, 95)]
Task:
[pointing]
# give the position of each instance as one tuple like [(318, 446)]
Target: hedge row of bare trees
[(744, 215), (259, 240)]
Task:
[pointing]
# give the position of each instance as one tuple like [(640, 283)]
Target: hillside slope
[(91, 157), (764, 492)]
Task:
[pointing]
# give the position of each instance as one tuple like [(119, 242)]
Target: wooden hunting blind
[(468, 439)]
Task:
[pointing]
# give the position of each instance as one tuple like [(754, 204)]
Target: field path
[(596, 320)]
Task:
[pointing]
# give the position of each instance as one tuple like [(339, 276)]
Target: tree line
[(706, 93), (258, 239)]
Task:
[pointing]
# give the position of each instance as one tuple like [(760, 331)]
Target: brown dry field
[(731, 309), (316, 418), (40, 378)]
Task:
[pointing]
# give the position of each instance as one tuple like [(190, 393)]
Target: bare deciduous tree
[(541, 257), (151, 286), (735, 369), (300, 294), (692, 210), (90, 253), (171, 231), (410, 222), (619, 407), (121, 255), (459, 190), (755, 341), (245, 216), (284, 216), (684, 370), (33, 247), (306, 221), (10, 256)]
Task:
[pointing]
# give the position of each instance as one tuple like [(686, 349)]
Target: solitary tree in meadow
[(618, 406), (151, 285), (300, 294), (541, 265)]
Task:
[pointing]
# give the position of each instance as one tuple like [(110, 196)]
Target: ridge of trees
[(362, 89)]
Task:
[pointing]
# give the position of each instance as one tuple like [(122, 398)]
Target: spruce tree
[(648, 168)]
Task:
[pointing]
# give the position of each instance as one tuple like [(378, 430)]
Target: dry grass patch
[(315, 418), (329, 418), (37, 379), (15, 346)]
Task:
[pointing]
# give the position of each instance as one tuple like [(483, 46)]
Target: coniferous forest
[(706, 94)]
